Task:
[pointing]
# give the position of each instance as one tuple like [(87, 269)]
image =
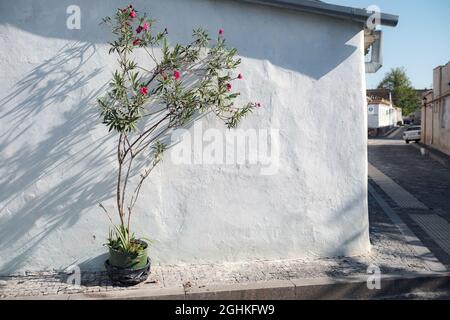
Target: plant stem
[(126, 181), (119, 178)]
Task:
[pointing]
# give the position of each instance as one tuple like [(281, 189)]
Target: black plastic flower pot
[(127, 276)]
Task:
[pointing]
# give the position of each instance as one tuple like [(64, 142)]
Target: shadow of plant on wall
[(37, 188)]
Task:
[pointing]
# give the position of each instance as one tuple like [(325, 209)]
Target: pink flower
[(221, 32), (176, 74), (228, 86), (136, 42), (258, 105), (143, 27), (132, 14), (144, 91), (239, 76)]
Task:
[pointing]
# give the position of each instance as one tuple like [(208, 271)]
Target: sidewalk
[(405, 264), (426, 180), (423, 177)]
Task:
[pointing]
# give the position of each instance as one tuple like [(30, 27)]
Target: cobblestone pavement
[(425, 179), (389, 252)]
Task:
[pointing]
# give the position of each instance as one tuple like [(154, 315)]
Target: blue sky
[(420, 42)]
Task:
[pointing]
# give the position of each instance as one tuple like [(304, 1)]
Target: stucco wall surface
[(57, 161), (437, 116)]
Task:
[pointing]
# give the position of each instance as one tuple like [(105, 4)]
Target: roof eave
[(343, 12)]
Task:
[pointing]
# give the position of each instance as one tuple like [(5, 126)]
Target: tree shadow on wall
[(41, 178), (49, 183), (323, 46)]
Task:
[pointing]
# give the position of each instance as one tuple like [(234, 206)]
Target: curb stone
[(354, 288)]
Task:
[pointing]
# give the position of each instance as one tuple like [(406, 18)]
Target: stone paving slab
[(403, 198), (434, 225), (437, 228), (419, 249)]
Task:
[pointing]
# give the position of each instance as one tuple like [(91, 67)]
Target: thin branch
[(119, 177), (151, 140), (145, 133), (153, 113), (150, 131), (107, 214), (128, 143), (143, 69), (138, 188), (125, 181), (155, 74), (129, 218), (151, 56)]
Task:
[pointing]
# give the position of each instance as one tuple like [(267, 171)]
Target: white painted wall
[(385, 114), (57, 162), (381, 115)]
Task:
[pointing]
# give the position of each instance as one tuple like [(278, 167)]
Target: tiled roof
[(379, 94)]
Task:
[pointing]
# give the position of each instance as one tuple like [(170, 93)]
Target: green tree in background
[(403, 94)]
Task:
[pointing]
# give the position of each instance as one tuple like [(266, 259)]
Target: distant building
[(416, 117), (382, 115), (436, 111)]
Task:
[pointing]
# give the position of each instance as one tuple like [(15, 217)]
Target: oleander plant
[(172, 87)]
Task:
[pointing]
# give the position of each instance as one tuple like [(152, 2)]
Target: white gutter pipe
[(376, 61)]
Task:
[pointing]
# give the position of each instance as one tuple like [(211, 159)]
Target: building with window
[(382, 115)]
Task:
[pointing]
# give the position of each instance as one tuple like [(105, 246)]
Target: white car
[(412, 134)]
